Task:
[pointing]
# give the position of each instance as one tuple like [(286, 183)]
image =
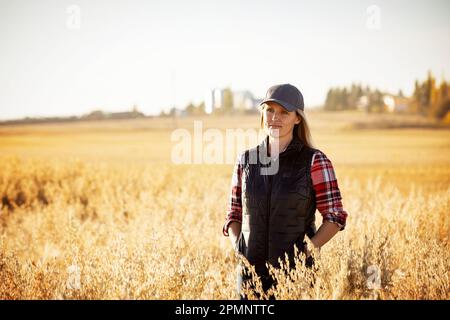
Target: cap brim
[(287, 106)]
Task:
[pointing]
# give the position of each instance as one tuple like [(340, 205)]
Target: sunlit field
[(97, 210)]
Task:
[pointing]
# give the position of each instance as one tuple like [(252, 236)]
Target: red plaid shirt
[(328, 196)]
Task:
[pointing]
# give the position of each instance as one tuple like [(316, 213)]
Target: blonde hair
[(302, 129)]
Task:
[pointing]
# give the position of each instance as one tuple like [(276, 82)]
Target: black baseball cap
[(286, 95)]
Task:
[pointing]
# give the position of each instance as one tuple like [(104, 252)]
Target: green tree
[(355, 94), (440, 105), (201, 107), (190, 108), (330, 101), (227, 100)]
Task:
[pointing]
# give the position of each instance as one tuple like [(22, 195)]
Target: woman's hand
[(234, 230)]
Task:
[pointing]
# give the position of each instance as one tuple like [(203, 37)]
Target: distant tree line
[(190, 109), (357, 96), (101, 115), (227, 106), (429, 98), (195, 110), (92, 116)]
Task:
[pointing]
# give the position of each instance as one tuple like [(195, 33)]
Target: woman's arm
[(233, 220), (234, 230), (326, 231), (328, 199)]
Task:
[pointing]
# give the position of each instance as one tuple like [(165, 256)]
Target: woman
[(272, 204)]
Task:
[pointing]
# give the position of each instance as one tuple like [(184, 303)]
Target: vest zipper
[(269, 178)]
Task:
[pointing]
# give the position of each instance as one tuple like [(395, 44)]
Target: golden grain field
[(96, 210)]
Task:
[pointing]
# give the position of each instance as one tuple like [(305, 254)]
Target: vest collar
[(295, 145)]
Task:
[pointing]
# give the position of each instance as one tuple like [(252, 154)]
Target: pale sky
[(159, 53)]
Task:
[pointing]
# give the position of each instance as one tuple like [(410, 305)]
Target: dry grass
[(98, 211)]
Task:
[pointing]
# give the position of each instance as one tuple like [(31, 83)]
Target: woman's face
[(279, 122)]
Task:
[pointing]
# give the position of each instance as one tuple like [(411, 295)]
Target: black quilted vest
[(278, 209)]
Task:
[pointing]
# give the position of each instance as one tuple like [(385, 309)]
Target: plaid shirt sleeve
[(328, 195), (234, 206)]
